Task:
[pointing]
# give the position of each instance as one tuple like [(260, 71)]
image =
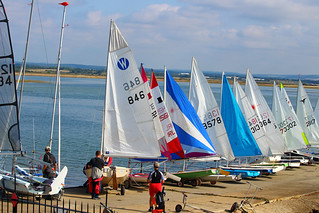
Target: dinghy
[(306, 116), (10, 144), (129, 123)]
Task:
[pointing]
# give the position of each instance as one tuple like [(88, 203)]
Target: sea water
[(82, 101)]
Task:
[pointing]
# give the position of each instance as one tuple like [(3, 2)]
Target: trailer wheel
[(122, 189), (178, 208), (127, 184), (199, 182), (180, 184), (194, 182), (213, 182)]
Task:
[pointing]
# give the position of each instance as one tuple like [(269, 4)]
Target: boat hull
[(122, 174)]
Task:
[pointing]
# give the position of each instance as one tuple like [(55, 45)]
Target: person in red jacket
[(155, 179)]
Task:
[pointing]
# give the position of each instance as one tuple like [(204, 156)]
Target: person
[(95, 180), (155, 179), (49, 171)]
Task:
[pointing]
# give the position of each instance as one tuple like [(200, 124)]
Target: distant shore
[(159, 78)]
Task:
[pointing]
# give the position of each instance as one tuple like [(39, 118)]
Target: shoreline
[(211, 81), (291, 190)]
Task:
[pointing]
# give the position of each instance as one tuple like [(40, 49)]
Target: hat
[(47, 148), (156, 164)]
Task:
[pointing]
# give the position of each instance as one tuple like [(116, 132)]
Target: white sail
[(284, 93), (268, 122), (306, 116), (128, 126), (9, 123), (316, 110), (252, 119), (204, 102), (287, 121)]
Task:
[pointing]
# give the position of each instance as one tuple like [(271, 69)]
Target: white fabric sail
[(252, 119), (259, 104), (306, 116), (316, 110), (287, 121), (128, 125), (284, 93), (9, 123), (204, 102)]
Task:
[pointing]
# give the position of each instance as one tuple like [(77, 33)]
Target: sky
[(268, 37)]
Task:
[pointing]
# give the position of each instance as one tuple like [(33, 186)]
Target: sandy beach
[(292, 190)]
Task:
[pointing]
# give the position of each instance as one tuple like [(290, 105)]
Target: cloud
[(223, 35)]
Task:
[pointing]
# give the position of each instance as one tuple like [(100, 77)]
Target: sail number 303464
[(5, 77)]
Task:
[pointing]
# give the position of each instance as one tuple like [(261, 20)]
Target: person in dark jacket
[(95, 180), (49, 171), (155, 179)]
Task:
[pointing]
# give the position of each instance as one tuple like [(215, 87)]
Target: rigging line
[(43, 37)]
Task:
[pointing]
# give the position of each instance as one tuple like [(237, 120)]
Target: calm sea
[(81, 114)]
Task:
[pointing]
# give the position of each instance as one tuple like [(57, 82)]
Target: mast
[(24, 60), (107, 62), (57, 90)]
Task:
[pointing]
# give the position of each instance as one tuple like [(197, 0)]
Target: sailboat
[(189, 128), (268, 123), (307, 117), (287, 121), (251, 118), (241, 139), (205, 104), (10, 143), (128, 126)]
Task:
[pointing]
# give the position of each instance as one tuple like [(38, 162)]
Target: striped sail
[(259, 104), (240, 137), (9, 123), (306, 116), (252, 119), (204, 102), (172, 149), (287, 121), (128, 124), (158, 127), (191, 133)]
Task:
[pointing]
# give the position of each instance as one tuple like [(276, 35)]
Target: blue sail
[(189, 128), (240, 137)]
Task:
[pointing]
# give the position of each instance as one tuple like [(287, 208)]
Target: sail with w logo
[(191, 133), (129, 123)]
